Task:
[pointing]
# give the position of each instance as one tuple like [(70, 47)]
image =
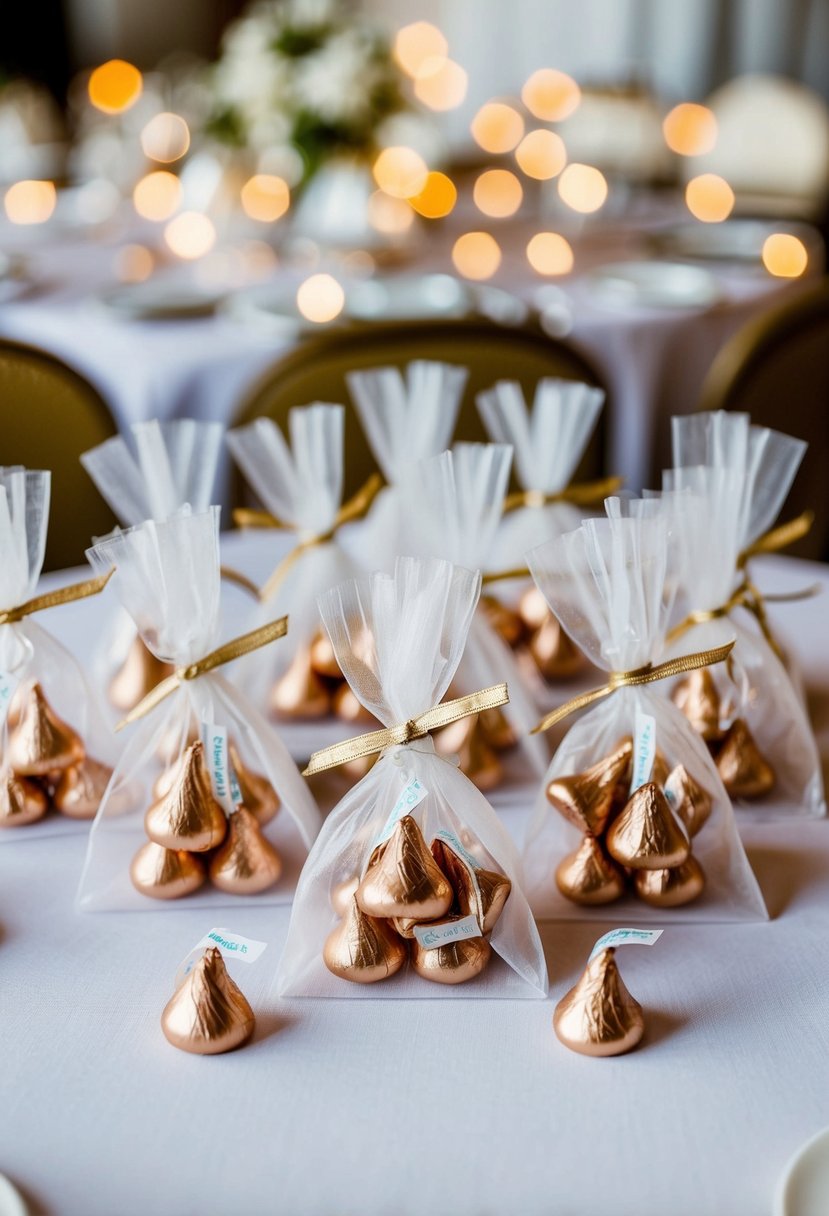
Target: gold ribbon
[(632, 679), (223, 654), (747, 595), (580, 494), (356, 508), (406, 732), (501, 576), (240, 580), (52, 599)]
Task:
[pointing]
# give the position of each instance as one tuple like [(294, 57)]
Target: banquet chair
[(776, 368), (50, 414), (316, 371)]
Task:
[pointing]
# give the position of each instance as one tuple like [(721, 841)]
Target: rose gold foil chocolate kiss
[(21, 801), (208, 1014), (480, 893), (646, 836), (79, 789), (504, 620), (322, 658), (478, 760), (349, 707), (670, 888), (137, 675), (405, 881), (257, 793), (342, 894), (362, 948), (300, 692), (453, 963), (697, 697), (744, 771), (245, 863), (589, 877), (586, 799), (533, 609), (598, 1016), (688, 799), (166, 873), (41, 742), (556, 656), (496, 729), (188, 816)]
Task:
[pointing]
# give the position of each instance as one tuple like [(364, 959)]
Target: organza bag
[(301, 487), (55, 748), (739, 476), (608, 584), (455, 505), (150, 475), (171, 824), (405, 420), (416, 623)]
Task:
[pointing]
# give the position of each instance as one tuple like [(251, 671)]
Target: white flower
[(336, 82)]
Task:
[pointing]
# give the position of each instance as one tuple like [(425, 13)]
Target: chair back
[(776, 368), (50, 414), (316, 371)]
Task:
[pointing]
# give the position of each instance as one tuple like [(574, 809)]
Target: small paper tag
[(432, 936), (229, 945), (455, 845), (214, 739), (8, 686), (644, 749), (626, 937), (413, 794)]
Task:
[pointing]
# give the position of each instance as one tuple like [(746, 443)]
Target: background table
[(458, 1106)]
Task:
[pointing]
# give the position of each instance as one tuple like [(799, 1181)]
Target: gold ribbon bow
[(580, 494), (407, 732), (356, 508), (747, 595), (631, 679), (223, 654), (52, 599)]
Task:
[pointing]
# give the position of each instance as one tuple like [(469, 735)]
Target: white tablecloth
[(654, 360), (467, 1107)]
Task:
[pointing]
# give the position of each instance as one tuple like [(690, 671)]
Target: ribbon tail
[(570, 707), (154, 697), (240, 580)]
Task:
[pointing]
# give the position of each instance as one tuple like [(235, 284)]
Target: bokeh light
[(476, 255), (320, 298), (30, 202), (265, 197), (582, 187), (441, 84), (190, 235), (541, 154), (115, 86), (550, 253), (400, 172), (785, 255), (134, 263), (709, 198), (389, 215), (497, 193), (437, 198), (157, 196), (165, 138), (550, 95), (690, 129), (497, 127), (416, 43)]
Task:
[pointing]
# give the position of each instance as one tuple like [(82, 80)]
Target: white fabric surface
[(470, 1107), (654, 360)]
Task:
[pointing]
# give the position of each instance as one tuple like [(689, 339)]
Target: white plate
[(654, 285), (804, 1187), (157, 300), (737, 240)]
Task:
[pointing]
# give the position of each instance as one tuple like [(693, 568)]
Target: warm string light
[(165, 138), (134, 263), (541, 154), (497, 193), (497, 127), (30, 202), (709, 198), (320, 298), (115, 86), (190, 235), (690, 129), (265, 197), (784, 255), (550, 95), (157, 196), (389, 215), (400, 172), (582, 187), (437, 198), (476, 255), (416, 44), (441, 84), (549, 253)]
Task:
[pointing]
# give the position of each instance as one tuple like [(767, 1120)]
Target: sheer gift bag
[(405, 419), (301, 487), (399, 638), (455, 505), (205, 795), (55, 746), (610, 585), (739, 476), (149, 474)]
